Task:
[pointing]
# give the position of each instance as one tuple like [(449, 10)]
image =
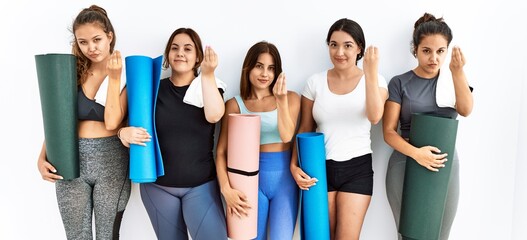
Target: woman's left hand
[(458, 59), (134, 135), (210, 61), (115, 65), (280, 88), (371, 60)]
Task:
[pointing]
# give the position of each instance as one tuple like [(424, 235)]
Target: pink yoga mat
[(243, 149)]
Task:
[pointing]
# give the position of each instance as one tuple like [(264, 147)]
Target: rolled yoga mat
[(424, 191), (57, 83), (143, 75), (314, 211), (243, 153)]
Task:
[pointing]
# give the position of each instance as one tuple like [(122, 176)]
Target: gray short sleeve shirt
[(415, 95)]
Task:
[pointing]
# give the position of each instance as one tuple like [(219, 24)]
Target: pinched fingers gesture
[(431, 158), (115, 65), (280, 88), (371, 60), (458, 59), (210, 61)]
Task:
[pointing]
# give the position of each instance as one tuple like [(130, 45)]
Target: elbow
[(111, 125), (385, 137), (464, 110), (386, 134), (214, 118), (215, 115), (374, 119), (287, 137)]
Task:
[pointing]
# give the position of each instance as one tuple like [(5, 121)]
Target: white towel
[(102, 92), (194, 95), (445, 91)]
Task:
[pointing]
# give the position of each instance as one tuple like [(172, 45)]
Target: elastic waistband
[(111, 140), (354, 161), (272, 161)]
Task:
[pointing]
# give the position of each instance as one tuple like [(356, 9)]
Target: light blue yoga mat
[(143, 75), (57, 83), (314, 210)]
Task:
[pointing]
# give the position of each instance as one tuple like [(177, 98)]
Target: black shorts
[(354, 175)]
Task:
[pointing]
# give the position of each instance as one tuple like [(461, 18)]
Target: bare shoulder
[(293, 94), (231, 106)]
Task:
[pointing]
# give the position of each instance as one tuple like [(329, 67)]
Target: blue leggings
[(172, 210), (277, 196)]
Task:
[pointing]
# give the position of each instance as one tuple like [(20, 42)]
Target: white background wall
[(491, 141)]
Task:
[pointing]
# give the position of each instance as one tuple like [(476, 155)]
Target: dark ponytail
[(428, 25)]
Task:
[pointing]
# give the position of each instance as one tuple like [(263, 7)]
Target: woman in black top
[(187, 197)]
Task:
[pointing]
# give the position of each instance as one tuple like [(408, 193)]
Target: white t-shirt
[(342, 118)]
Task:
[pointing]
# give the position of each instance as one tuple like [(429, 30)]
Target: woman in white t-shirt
[(342, 103)]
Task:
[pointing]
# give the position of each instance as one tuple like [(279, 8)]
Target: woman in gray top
[(415, 92)]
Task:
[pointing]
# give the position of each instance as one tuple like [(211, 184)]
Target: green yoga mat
[(57, 83), (424, 191)]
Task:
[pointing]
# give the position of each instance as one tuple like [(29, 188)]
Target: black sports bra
[(89, 109)]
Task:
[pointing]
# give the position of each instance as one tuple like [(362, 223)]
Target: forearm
[(212, 100), (464, 99), (375, 98), (286, 125), (113, 111), (221, 171), (398, 143), (42, 155), (294, 157)]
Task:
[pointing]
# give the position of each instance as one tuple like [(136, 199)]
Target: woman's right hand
[(47, 171), (430, 158), (236, 202), (303, 180), (134, 135)]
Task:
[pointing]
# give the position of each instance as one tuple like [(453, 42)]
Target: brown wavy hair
[(250, 61), (195, 39), (92, 15)]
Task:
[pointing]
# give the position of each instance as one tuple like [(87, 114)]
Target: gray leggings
[(394, 190), (103, 188)]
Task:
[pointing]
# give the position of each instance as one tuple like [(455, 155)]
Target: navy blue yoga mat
[(314, 212), (424, 191), (57, 83), (143, 75)]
